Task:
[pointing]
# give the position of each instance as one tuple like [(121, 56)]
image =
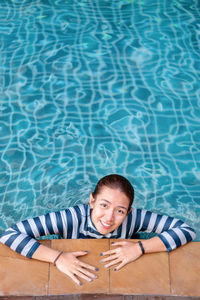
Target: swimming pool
[(89, 88)]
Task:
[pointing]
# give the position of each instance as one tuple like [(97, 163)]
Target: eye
[(121, 212), (104, 205)]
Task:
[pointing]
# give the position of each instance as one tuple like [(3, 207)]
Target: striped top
[(76, 223)]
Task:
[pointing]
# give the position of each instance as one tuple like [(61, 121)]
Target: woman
[(109, 215)]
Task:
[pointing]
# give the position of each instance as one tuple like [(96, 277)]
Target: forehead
[(114, 195)]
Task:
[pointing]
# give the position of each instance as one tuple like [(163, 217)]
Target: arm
[(22, 239), (68, 263), (128, 251), (153, 245), (172, 233), (22, 236)]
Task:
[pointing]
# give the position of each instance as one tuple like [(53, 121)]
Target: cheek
[(96, 212), (120, 219)]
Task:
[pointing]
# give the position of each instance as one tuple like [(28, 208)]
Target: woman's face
[(109, 209)]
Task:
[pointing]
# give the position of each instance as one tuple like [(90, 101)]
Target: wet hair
[(116, 181)]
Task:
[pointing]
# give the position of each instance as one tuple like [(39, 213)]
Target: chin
[(104, 232)]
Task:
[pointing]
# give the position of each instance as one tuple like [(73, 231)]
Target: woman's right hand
[(69, 264)]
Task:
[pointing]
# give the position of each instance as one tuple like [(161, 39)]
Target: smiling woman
[(109, 215), (109, 209)]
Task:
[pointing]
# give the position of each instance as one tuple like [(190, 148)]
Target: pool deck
[(153, 276)]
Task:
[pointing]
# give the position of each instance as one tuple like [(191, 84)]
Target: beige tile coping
[(185, 270), (147, 275), (177, 273), (59, 283)]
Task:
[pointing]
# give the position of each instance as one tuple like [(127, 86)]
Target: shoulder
[(139, 214), (82, 210), (135, 211)]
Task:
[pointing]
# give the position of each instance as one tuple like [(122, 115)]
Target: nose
[(110, 216)]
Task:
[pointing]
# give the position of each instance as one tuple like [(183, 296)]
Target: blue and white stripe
[(75, 222)]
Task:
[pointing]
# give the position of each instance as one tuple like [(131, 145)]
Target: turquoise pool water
[(89, 88)]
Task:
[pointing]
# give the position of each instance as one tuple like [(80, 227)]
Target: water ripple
[(95, 87)]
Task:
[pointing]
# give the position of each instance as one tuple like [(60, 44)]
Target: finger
[(109, 258), (108, 252), (75, 279), (82, 275), (91, 275), (114, 262), (120, 266), (86, 266), (80, 253), (118, 243), (71, 275)]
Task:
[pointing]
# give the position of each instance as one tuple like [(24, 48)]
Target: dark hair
[(117, 182)]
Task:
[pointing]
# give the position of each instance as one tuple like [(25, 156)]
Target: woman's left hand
[(126, 253)]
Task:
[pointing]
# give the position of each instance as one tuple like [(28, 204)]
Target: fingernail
[(112, 243), (101, 260), (95, 276), (80, 283), (101, 254), (96, 269), (115, 269), (86, 251), (105, 266)]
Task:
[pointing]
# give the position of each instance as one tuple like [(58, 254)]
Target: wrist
[(141, 247), (44, 253), (57, 258)]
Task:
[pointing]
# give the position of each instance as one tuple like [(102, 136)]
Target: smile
[(105, 225)]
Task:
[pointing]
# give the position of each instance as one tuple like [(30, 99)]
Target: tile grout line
[(170, 280), (48, 280), (49, 273)]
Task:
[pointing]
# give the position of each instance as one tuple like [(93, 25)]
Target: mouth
[(105, 225)]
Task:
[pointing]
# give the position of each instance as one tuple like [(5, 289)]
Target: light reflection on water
[(89, 88)]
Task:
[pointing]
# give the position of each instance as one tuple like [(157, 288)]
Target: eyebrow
[(117, 206)]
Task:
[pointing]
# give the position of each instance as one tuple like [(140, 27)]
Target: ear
[(92, 200)]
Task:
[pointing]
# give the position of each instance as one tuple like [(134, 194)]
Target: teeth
[(106, 225)]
